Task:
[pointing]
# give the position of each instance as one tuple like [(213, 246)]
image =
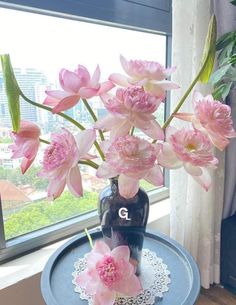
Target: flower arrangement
[(131, 101)]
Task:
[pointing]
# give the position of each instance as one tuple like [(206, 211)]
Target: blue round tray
[(56, 280)]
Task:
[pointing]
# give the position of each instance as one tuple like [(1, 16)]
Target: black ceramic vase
[(123, 221)]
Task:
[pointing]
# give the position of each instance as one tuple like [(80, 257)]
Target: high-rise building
[(27, 79)]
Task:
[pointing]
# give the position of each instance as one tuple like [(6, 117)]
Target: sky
[(51, 43)]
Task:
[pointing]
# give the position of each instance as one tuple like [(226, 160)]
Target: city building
[(27, 79)]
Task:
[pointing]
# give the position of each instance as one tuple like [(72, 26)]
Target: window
[(46, 39)]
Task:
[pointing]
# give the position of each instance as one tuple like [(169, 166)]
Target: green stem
[(132, 131), (182, 100), (99, 150), (90, 163), (89, 238), (44, 141), (90, 110), (68, 118)]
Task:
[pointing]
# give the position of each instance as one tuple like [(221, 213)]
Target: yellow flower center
[(190, 147)]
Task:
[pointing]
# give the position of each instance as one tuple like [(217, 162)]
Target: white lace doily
[(154, 278)]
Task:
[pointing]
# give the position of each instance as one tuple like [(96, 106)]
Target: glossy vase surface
[(123, 221)]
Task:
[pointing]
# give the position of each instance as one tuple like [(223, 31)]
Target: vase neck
[(113, 181)]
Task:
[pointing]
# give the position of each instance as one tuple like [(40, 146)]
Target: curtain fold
[(226, 22), (195, 214)]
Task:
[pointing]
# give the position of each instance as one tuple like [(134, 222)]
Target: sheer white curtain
[(195, 214)]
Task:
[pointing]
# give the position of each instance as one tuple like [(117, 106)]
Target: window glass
[(39, 47)]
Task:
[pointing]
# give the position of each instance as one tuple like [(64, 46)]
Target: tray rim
[(46, 275)]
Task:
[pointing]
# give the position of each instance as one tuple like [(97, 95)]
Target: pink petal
[(93, 258), (197, 96), (141, 82), (92, 285), (108, 122), (168, 158), (89, 157), (105, 145), (130, 286), (29, 129), (193, 170), (154, 131), (105, 97), (145, 116), (219, 141), (124, 63), (31, 148), (126, 268), (83, 75), (25, 164), (84, 140), (106, 171), (184, 116), (55, 188), (87, 92), (69, 81), (156, 90), (50, 101), (155, 176), (74, 181), (57, 94), (204, 180), (104, 297), (120, 130), (88, 280), (66, 103), (105, 87), (121, 253), (101, 247), (95, 77), (209, 97), (169, 132), (167, 85), (83, 279), (128, 187), (119, 79), (169, 71)]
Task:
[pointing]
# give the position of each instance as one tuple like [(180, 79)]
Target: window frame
[(32, 241)]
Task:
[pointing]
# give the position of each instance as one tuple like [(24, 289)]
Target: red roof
[(10, 192)]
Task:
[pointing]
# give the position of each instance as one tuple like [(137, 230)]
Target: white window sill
[(33, 263)]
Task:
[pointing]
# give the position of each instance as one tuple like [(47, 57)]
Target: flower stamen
[(108, 271)]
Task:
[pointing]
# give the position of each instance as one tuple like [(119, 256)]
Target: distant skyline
[(51, 43)]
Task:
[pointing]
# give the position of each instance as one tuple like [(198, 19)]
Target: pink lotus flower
[(109, 273), (148, 74), (132, 159), (131, 107), (76, 85), (191, 149), (60, 163), (212, 118), (26, 144)]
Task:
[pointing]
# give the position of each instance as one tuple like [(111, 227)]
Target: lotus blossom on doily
[(109, 273), (132, 159), (26, 144), (60, 162), (212, 118), (131, 107), (76, 85), (191, 149), (148, 74)]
